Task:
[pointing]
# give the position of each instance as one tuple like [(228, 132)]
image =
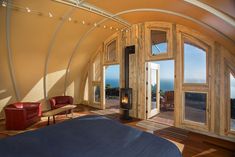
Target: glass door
[(153, 89)]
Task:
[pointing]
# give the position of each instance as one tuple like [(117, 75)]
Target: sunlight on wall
[(86, 91), (70, 90), (36, 93), (3, 103), (53, 78), (3, 91)]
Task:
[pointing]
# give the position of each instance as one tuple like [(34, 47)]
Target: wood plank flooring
[(191, 144)]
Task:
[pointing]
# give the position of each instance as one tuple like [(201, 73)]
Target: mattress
[(87, 136)]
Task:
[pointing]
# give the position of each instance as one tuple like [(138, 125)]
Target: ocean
[(165, 85)]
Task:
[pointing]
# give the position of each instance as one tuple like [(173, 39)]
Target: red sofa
[(20, 115), (60, 101)]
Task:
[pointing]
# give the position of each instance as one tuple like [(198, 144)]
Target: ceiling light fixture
[(111, 27), (95, 24), (105, 26), (116, 29), (70, 19), (28, 10), (83, 22)]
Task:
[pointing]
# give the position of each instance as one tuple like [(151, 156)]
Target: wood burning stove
[(126, 93), (126, 98)]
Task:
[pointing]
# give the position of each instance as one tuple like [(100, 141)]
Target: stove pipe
[(128, 50)]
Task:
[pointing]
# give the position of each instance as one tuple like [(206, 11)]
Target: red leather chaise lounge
[(20, 115), (60, 101)]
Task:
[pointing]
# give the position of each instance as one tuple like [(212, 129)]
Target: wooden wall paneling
[(217, 92), (141, 74), (228, 61), (134, 69), (178, 80)]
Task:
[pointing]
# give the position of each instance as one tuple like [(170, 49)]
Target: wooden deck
[(191, 144)]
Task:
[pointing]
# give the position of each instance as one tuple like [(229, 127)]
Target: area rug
[(42, 123)]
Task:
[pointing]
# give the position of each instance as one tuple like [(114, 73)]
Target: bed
[(87, 136)]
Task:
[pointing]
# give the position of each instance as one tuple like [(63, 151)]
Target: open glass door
[(153, 89)]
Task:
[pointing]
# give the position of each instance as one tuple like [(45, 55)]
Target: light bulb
[(50, 14), (4, 3), (28, 10)]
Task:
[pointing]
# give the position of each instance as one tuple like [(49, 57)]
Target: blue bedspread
[(88, 136)]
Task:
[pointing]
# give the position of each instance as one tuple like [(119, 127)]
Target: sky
[(112, 72), (232, 86), (194, 64), (166, 69), (162, 47)]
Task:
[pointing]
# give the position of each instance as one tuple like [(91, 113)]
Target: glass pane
[(158, 42), (112, 79), (232, 100), (97, 93), (194, 64), (195, 107), (153, 88), (97, 69), (86, 90), (111, 51)]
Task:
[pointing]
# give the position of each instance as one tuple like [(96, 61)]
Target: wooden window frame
[(228, 130), (201, 45), (161, 26), (106, 61), (208, 45), (96, 83), (193, 124)]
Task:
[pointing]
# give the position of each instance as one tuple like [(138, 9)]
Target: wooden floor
[(191, 144)]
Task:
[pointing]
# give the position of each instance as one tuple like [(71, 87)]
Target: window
[(97, 95), (159, 42), (97, 68), (195, 106), (111, 51), (195, 66), (232, 102), (85, 97)]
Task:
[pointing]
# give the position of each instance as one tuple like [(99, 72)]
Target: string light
[(28, 10), (4, 3), (50, 14)]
